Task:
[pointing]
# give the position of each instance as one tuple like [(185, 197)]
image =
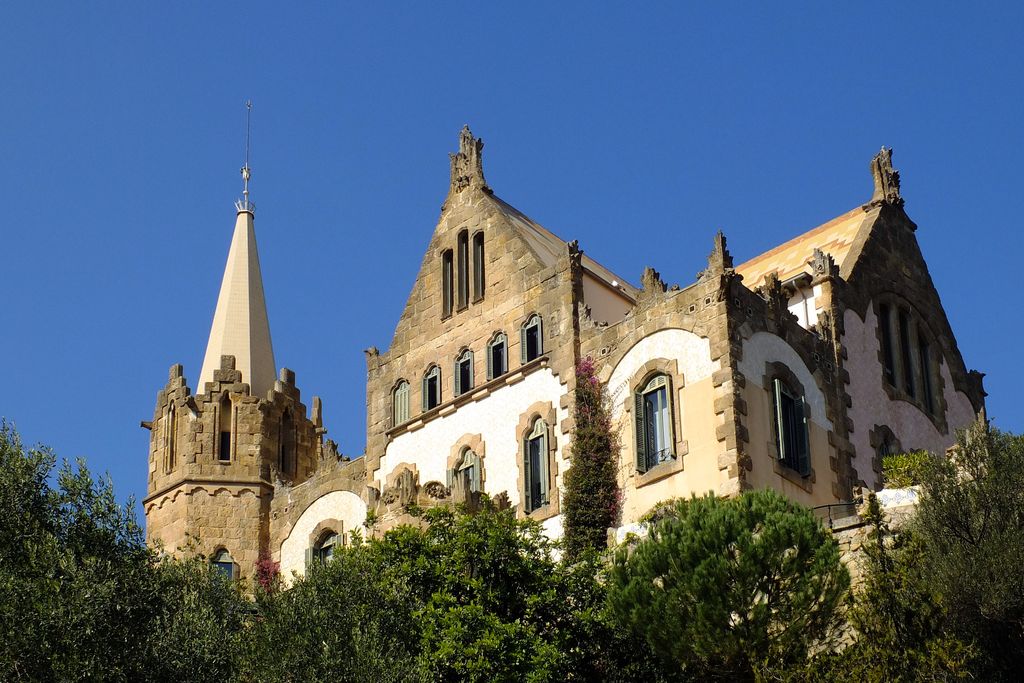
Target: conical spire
[(240, 325)]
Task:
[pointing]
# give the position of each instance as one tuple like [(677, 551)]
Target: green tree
[(721, 586), (592, 499), (971, 521)]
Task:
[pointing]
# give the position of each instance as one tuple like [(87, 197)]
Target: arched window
[(400, 403), (924, 356), (469, 466), (653, 417), (463, 268), (224, 421), (432, 388), (463, 375), (531, 339), (478, 266), (171, 435), (536, 471), (791, 433), (497, 356), (446, 283), (222, 562), (324, 548), (287, 455)]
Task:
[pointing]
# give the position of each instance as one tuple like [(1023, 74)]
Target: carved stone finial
[(651, 281), (823, 265), (887, 180), (719, 260), (771, 291), (467, 165)]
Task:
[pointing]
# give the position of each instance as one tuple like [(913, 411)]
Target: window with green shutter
[(652, 414), (536, 485), (791, 429), (400, 403), (497, 356), (463, 375), (432, 388), (531, 339)]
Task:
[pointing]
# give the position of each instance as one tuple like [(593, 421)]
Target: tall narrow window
[(463, 372), (287, 456), (468, 467), (653, 417), (400, 403), (432, 388), (536, 485), (446, 283), (888, 357), (224, 450), (497, 356), (222, 562), (905, 354), (924, 356), (531, 339), (463, 263), (478, 266), (791, 435), (171, 425)]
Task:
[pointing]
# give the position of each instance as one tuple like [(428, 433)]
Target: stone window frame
[(475, 443), (778, 370), (170, 436), (543, 410), (465, 355), (916, 327), (637, 381), (293, 456), (394, 402), (235, 569), (462, 270), (479, 270), (527, 324), (499, 334), (330, 524), (447, 283), (424, 393), (232, 429), (878, 435)]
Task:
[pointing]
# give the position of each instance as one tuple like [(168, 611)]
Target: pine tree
[(592, 498)]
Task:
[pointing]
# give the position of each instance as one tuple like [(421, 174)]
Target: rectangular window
[(532, 342), (905, 354), (498, 364), (925, 358), (478, 266), (888, 357), (463, 265), (535, 462), (464, 374), (791, 436), (446, 283), (432, 390)]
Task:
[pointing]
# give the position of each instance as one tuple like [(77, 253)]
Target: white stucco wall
[(344, 506), (690, 351), (871, 405), (496, 419), (763, 348)]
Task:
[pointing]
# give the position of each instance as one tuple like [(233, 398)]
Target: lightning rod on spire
[(244, 204)]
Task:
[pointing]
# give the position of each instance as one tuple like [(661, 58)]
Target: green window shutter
[(641, 440), (309, 558), (426, 389), (671, 410), (780, 431), (522, 345), (545, 474), (540, 336), (527, 477), (458, 379), (803, 438), (490, 361), (471, 362)]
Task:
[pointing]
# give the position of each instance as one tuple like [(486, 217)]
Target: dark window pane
[(888, 358), (532, 342), (478, 265), (225, 446), (463, 264), (446, 283), (536, 461)]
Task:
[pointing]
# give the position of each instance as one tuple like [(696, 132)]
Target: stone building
[(797, 370)]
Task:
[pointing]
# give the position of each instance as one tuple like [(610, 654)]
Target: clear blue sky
[(637, 128)]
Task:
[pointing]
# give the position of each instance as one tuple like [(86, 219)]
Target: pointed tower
[(216, 457), (240, 324)]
